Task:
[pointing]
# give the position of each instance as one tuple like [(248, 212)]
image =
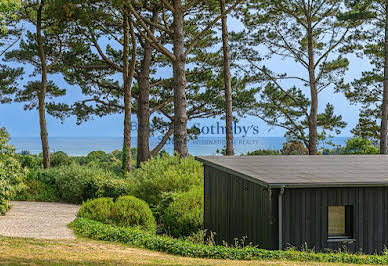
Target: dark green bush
[(137, 238), (130, 211), (264, 152), (38, 191), (165, 174), (184, 216), (75, 183), (97, 209), (32, 162), (60, 158)]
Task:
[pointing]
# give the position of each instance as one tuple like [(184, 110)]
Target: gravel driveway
[(38, 220)]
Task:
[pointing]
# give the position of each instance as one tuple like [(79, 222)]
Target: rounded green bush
[(184, 216), (97, 209), (60, 158), (131, 211), (163, 175)]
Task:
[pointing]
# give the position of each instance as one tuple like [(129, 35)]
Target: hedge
[(137, 238)]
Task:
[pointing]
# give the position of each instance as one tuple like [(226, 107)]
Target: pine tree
[(175, 30), (43, 50), (309, 33), (368, 91)]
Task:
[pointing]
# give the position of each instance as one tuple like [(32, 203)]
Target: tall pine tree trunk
[(228, 83), (179, 76), (128, 72), (384, 117), (312, 120), (143, 112), (43, 90)]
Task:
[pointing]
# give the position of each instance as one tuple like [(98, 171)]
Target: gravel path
[(38, 220)]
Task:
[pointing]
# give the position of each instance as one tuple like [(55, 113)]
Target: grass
[(16, 251)]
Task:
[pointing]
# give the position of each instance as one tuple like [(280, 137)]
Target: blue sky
[(22, 123)]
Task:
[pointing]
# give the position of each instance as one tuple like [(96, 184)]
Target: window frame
[(349, 223)]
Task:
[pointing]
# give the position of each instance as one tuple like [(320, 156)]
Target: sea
[(81, 146)]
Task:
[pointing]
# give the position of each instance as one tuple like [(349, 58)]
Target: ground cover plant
[(138, 238)]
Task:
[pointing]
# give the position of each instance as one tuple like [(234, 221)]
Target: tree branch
[(150, 37), (196, 39)]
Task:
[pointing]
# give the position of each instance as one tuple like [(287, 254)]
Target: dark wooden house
[(318, 202)]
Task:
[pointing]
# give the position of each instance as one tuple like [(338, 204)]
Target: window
[(340, 222)]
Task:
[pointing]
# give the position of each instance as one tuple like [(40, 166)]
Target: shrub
[(111, 187), (12, 174), (360, 146), (32, 162), (137, 238), (165, 174), (264, 152), (97, 209), (294, 148), (75, 183), (184, 216), (60, 158), (38, 191), (130, 211)]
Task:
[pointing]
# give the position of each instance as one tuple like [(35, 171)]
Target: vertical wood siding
[(305, 217), (236, 208)]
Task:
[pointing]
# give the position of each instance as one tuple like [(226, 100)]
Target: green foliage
[(165, 174), (313, 40), (184, 216), (60, 158), (38, 191), (32, 162), (294, 148), (264, 152), (137, 238), (130, 211), (97, 209), (110, 161), (366, 91), (12, 174), (111, 187), (358, 145), (8, 12), (74, 182)]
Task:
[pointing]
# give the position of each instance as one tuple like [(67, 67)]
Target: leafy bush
[(165, 174), (360, 146), (32, 162), (137, 238), (111, 187), (294, 148), (184, 216), (97, 209), (60, 158), (37, 191), (75, 183), (12, 174), (130, 211), (264, 152)]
